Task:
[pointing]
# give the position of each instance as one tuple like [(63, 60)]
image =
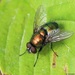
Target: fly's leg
[(53, 50), (38, 55), (23, 53)]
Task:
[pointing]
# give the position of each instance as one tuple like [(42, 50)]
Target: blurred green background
[(16, 26)]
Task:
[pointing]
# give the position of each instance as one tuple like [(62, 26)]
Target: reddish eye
[(33, 50), (28, 45)]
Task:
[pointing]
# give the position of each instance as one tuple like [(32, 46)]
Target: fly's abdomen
[(50, 26)]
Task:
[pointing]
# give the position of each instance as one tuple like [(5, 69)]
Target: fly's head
[(31, 48)]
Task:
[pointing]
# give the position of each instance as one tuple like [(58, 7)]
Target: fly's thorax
[(38, 38), (43, 32)]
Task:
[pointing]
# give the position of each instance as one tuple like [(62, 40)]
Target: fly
[(43, 33)]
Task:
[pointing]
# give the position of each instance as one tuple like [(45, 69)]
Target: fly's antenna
[(23, 53)]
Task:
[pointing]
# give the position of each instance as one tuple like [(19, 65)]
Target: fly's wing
[(53, 32), (40, 18), (61, 36)]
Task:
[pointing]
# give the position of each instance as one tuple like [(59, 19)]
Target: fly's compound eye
[(33, 50), (29, 47)]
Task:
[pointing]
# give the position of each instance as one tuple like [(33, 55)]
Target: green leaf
[(16, 27)]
